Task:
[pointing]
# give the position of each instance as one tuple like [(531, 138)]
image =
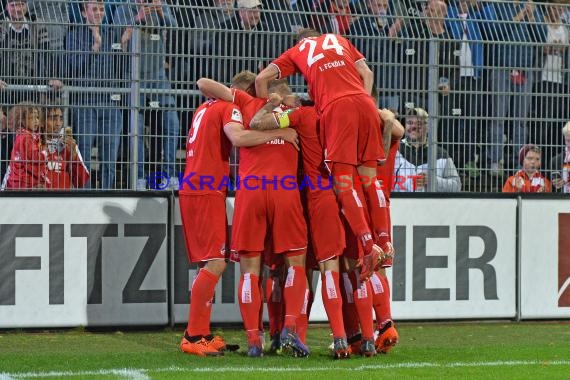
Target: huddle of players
[(349, 225)]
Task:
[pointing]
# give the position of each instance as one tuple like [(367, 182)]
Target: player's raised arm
[(241, 137), (265, 118), (366, 74), (263, 78), (215, 90)]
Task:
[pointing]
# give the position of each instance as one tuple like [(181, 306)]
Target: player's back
[(328, 64), (208, 148), (276, 158)]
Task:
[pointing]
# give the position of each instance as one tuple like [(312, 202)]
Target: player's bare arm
[(241, 137), (366, 74), (215, 90), (391, 128), (265, 118), (263, 78)]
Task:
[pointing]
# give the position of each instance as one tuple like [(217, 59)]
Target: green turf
[(426, 351)]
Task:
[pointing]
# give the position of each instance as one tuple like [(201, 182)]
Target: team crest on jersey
[(236, 115)]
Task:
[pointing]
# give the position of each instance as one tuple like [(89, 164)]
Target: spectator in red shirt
[(65, 166), (528, 179), (28, 159)]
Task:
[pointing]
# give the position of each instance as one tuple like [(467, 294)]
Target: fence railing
[(492, 76)]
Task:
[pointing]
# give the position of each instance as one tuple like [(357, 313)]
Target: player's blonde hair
[(245, 80)]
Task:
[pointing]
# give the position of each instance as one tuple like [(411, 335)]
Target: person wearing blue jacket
[(516, 35), (94, 60)]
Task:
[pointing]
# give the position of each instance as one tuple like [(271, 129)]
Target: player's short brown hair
[(276, 84), (245, 80), (307, 32)]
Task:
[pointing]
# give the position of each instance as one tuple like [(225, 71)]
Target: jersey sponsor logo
[(236, 115), (55, 166)]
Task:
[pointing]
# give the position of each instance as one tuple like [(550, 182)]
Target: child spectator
[(27, 169), (65, 166), (528, 179)]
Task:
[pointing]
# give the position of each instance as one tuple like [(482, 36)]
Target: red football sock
[(201, 296), (249, 303), (378, 212), (273, 296), (294, 294), (349, 314), (381, 299), (363, 302), (303, 321), (332, 301)]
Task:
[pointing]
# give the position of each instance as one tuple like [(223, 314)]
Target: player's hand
[(290, 135), (369, 262), (275, 99), (386, 115)]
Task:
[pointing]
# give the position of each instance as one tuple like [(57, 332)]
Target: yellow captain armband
[(283, 119)]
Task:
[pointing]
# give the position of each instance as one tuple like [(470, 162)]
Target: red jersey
[(208, 148), (328, 64), (63, 171), (305, 121), (385, 172), (27, 169), (276, 158)]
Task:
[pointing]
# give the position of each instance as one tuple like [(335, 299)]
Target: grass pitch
[(427, 351)]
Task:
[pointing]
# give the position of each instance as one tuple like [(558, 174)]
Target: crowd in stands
[(492, 75)]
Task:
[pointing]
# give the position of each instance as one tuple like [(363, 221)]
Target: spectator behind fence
[(470, 84), (333, 16), (6, 142), (550, 102), (94, 56), (244, 42), (419, 45), (26, 55), (374, 34), (53, 17), (411, 166), (27, 169), (528, 179), (65, 166), (513, 57), (193, 41), (154, 18), (559, 169)]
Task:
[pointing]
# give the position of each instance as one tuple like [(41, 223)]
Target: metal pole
[(433, 110), (135, 103)]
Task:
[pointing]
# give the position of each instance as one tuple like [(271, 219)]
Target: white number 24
[(329, 42)]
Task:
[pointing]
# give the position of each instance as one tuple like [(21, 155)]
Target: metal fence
[(491, 75)]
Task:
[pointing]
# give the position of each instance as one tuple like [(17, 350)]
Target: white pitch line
[(142, 373)]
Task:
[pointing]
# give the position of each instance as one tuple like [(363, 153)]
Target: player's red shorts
[(204, 223), (275, 211), (351, 129), (327, 231)]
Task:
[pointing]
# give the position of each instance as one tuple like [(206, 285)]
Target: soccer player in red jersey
[(340, 80), (216, 125), (65, 166), (267, 204), (386, 334), (326, 230)]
